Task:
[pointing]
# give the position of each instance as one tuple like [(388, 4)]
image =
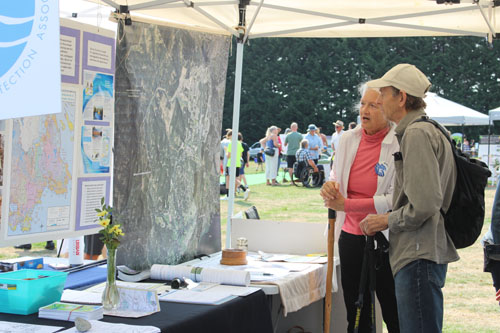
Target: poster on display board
[(41, 173), (29, 48)]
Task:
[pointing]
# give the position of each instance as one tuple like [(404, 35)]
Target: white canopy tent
[(494, 114), (449, 113), (311, 18)]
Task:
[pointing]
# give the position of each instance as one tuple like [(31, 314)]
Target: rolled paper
[(201, 274)]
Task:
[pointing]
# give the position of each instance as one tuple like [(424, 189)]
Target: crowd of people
[(296, 147)]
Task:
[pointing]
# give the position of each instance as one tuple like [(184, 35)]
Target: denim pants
[(419, 296)]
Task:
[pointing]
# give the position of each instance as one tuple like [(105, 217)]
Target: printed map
[(42, 163)]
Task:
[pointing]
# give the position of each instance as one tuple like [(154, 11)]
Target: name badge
[(380, 169)]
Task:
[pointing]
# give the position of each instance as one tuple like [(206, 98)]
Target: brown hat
[(404, 77)]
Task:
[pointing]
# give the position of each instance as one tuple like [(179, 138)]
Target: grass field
[(469, 295)]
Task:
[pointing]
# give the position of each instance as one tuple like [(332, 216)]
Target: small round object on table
[(234, 257)]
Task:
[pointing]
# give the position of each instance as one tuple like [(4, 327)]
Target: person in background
[(420, 248), (361, 183), (93, 247), (244, 163), (315, 143), (339, 130), (280, 155), (260, 160), (238, 158), (492, 240), (352, 125), (323, 140), (303, 155), (466, 146), (271, 142), (292, 142), (223, 154)]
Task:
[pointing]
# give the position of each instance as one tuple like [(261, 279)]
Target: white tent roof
[(449, 113), (495, 114), (321, 18)]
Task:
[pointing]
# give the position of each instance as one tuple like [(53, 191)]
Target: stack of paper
[(69, 311)]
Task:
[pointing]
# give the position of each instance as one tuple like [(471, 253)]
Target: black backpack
[(465, 216)]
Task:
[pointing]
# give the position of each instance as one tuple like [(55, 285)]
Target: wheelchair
[(305, 174)]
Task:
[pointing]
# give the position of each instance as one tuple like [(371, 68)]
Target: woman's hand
[(332, 197), (330, 190)]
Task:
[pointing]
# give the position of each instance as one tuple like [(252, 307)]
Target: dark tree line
[(316, 80)]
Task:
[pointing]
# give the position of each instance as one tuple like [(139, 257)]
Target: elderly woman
[(271, 143), (361, 184)]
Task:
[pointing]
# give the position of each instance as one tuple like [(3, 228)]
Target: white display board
[(55, 168)]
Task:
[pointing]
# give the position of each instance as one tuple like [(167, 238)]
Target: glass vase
[(111, 296)]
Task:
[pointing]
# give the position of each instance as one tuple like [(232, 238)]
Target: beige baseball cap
[(339, 123), (404, 77)]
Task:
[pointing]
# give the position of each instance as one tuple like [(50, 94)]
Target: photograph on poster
[(96, 149), (97, 96), (98, 113)]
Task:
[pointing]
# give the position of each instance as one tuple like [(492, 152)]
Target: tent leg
[(234, 139), (489, 134)]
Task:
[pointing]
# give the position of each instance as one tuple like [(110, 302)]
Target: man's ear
[(402, 98)]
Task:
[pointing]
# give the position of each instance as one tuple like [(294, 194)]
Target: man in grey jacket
[(420, 248)]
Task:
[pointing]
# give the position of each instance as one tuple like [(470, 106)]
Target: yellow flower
[(104, 223), (101, 214)]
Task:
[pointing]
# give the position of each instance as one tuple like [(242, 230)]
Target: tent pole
[(234, 139), (489, 133)]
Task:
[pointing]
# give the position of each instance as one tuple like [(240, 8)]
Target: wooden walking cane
[(332, 216)]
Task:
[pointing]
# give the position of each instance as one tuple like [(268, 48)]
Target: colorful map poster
[(42, 164)]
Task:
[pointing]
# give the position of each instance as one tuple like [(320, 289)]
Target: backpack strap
[(446, 135)]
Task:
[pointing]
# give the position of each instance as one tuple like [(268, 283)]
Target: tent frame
[(481, 5)]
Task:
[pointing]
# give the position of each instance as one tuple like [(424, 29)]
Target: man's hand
[(373, 223)]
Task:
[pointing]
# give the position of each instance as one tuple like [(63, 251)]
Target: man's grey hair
[(304, 143)]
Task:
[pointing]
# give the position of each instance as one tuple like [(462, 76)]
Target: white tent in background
[(449, 113), (494, 114)]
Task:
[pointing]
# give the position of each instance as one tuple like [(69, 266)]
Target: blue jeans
[(419, 296)]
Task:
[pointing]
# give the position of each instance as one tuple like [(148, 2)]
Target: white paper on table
[(210, 296), (8, 327), (100, 326), (81, 297), (235, 290), (135, 303)]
